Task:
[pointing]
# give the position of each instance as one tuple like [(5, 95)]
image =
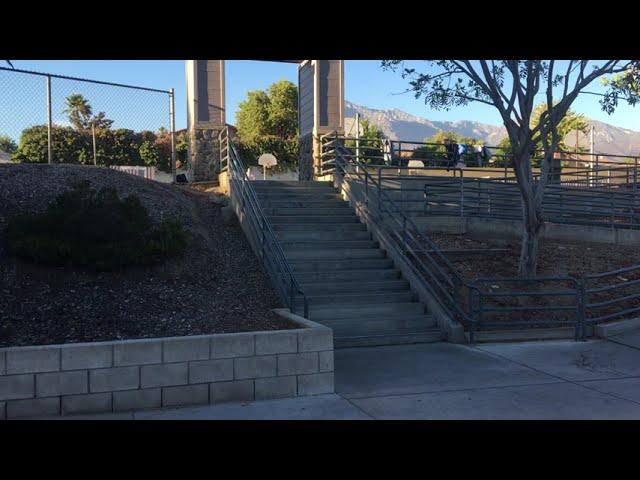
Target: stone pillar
[(205, 117), (320, 109)]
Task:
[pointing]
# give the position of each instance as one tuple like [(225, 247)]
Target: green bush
[(96, 230)]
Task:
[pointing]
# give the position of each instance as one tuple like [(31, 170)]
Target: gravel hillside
[(218, 286)]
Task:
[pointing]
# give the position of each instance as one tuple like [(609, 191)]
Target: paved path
[(596, 379)]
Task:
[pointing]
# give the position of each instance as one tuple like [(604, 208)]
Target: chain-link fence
[(46, 118)]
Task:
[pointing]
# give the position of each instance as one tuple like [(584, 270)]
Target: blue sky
[(365, 83)]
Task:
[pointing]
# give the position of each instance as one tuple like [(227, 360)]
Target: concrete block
[(16, 386), (86, 356), (211, 371), (325, 361), (297, 363), (275, 387), (36, 407), (269, 343), (62, 383), (137, 353), (2, 363), (610, 329), (235, 345), (33, 360), (187, 395), (315, 340), (137, 399), (315, 384), (255, 367), (91, 403), (183, 350), (114, 379), (238, 391), (168, 374)]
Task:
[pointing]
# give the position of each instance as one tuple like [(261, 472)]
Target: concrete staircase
[(352, 286)]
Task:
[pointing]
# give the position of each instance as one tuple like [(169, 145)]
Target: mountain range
[(400, 125)]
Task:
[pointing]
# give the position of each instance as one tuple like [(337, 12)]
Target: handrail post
[(379, 190), (581, 309), (472, 315), (291, 295), (404, 234), (461, 194), (366, 188), (263, 236)]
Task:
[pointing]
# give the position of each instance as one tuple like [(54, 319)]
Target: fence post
[(635, 174), (597, 170), (172, 126), (49, 122)]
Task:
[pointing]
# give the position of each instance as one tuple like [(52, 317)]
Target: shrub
[(96, 230)]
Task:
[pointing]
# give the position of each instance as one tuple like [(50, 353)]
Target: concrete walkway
[(597, 379)]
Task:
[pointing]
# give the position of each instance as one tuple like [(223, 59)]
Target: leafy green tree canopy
[(7, 144), (271, 113)]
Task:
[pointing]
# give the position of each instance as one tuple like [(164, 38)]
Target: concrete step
[(351, 298), (306, 211), (315, 219), (384, 324), (301, 196), (331, 265), (308, 254), (396, 338), (319, 227), (288, 184), (347, 275), (522, 335), (318, 236), (308, 203), (390, 285), (333, 245), (323, 312)]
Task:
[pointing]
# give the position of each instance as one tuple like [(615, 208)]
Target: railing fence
[(48, 118)]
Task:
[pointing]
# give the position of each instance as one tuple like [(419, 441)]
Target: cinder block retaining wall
[(501, 228), (165, 372)]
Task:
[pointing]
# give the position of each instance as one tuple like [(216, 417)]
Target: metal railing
[(482, 303), (490, 198), (258, 228), (580, 169), (435, 272)]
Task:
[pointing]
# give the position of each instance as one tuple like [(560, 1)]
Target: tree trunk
[(530, 241), (531, 214)]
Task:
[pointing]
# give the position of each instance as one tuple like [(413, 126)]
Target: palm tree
[(79, 111)]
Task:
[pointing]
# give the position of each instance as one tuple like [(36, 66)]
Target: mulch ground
[(218, 286), (555, 259)]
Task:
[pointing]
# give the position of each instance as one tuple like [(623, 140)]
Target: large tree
[(80, 114), (267, 122), (273, 113), (511, 86)]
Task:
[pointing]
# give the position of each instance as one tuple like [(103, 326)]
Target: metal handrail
[(263, 237), (435, 272)]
